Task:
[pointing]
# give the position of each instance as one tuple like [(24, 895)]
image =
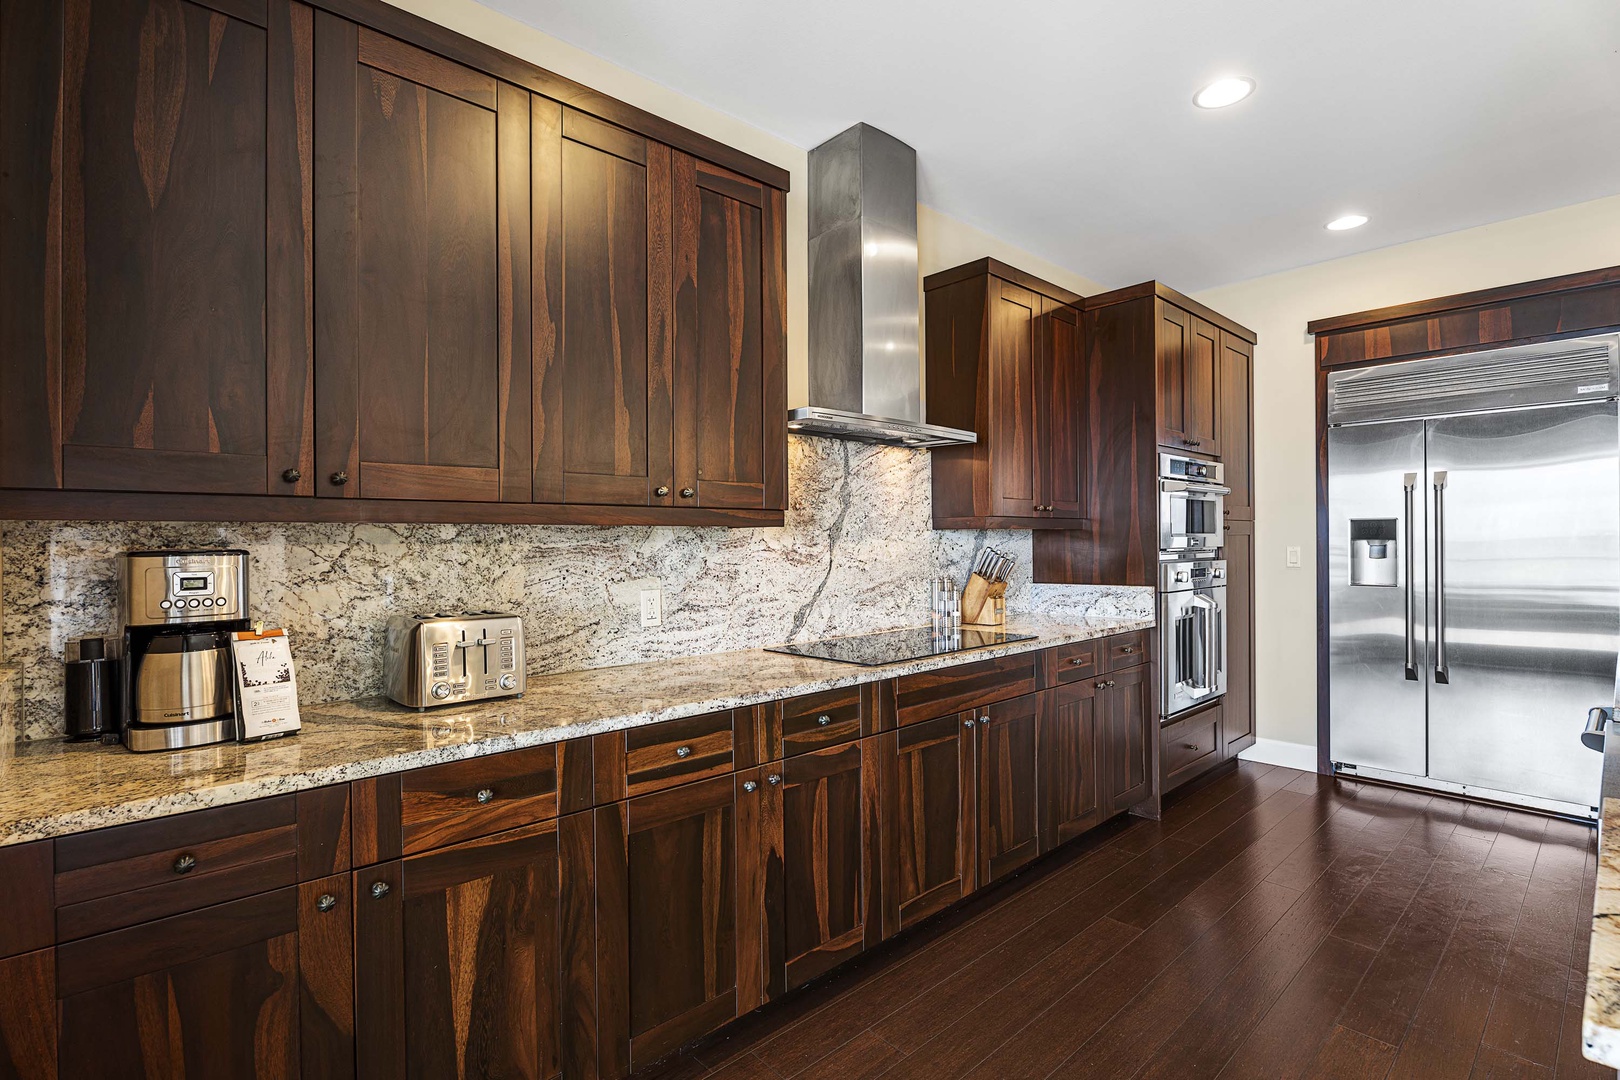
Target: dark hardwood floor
[(1273, 924)]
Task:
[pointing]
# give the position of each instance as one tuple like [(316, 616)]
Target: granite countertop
[(55, 788), (1600, 1023)]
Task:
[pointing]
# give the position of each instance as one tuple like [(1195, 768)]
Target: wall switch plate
[(652, 607), (1293, 555)]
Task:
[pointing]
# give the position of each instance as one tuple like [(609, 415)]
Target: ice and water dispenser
[(1373, 552)]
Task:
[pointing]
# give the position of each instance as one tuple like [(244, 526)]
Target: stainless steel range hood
[(865, 375)]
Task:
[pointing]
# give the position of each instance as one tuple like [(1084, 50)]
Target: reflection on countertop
[(55, 788)]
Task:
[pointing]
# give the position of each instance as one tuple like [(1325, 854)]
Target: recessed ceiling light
[(1223, 92), (1348, 221)]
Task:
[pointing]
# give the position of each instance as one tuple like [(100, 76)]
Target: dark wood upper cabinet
[(1128, 739), (929, 818), (421, 210), (1188, 349), (1009, 815), (1068, 753), (730, 438), (1234, 415), (265, 262), (156, 277), (1005, 359)]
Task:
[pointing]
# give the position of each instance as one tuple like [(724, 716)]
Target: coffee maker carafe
[(179, 609)]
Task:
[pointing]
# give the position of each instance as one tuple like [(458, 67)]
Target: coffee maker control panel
[(165, 588)]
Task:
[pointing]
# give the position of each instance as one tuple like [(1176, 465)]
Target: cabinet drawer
[(1071, 663), (948, 690), (818, 720), (1125, 650), (661, 756), (1190, 746), (464, 800), (130, 874)]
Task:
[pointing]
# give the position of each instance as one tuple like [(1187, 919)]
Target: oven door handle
[(1194, 488)]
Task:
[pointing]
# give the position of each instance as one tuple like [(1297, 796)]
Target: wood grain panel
[(326, 976), (289, 306), (613, 959), (1128, 721), (1008, 810), (577, 938), (1237, 708), (140, 853), (1067, 753), (1126, 650), (1014, 347), (928, 818), (379, 963), (463, 800), (424, 68), (660, 756), (480, 948), (27, 896), (758, 798), (1077, 662), (164, 245), (323, 831), (376, 834), (1061, 412), (964, 686), (815, 721), (117, 468), (773, 349), (825, 857), (1235, 418), (28, 1034), (514, 233), (391, 480), (337, 233)]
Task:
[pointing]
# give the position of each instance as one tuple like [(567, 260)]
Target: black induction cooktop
[(898, 646)]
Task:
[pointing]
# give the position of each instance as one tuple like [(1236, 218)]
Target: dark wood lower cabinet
[(1237, 712), (1066, 741), (28, 1020), (1009, 827), (1127, 743), (928, 857)]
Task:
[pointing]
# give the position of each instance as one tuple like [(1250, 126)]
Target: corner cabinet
[(301, 266), (1005, 360)]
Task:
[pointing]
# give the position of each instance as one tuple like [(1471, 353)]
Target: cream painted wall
[(1277, 307)]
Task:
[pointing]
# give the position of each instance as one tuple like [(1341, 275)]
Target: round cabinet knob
[(440, 690), (292, 476), (773, 779), (507, 682), (750, 787), (683, 751), (823, 720), (967, 723), (485, 795), (185, 864), (340, 478), (661, 490), (325, 903), (687, 493), (1189, 746), (1100, 685), (379, 889), (1126, 650)]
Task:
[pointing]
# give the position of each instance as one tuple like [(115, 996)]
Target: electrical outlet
[(652, 607), (1293, 555)]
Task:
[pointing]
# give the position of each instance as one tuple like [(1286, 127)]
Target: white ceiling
[(1067, 128)]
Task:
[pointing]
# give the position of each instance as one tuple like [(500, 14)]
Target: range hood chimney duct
[(865, 374)]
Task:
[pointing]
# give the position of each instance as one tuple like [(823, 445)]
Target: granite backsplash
[(856, 555)]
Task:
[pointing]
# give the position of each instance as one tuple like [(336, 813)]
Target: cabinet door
[(1237, 714), (1008, 817), (421, 307), (828, 908), (212, 993), (1015, 316), (601, 312), (730, 339), (1235, 421), (1186, 348), (928, 789), (1066, 748), (667, 921), (1061, 390), (1126, 740), (28, 1043), (154, 295)]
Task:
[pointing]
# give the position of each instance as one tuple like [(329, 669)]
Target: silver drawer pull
[(1189, 746), (1080, 661), (326, 903), (773, 779), (486, 795), (823, 719), (185, 864), (379, 889), (683, 751), (750, 787)]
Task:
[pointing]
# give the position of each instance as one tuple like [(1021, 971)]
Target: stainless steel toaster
[(453, 659)]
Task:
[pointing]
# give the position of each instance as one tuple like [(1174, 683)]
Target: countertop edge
[(47, 826), (1600, 1015)]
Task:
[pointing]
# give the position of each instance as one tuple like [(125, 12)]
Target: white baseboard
[(1289, 755)]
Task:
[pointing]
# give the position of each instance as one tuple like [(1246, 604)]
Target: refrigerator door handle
[(1442, 672), (1411, 585)]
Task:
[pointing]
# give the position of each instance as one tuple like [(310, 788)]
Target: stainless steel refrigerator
[(1474, 570)]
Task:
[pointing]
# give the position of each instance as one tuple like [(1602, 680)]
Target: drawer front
[(675, 752), (949, 690), (1189, 747), (1126, 650), (820, 720), (1072, 663), (464, 800), (129, 874)]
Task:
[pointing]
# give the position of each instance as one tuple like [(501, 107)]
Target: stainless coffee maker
[(179, 609)]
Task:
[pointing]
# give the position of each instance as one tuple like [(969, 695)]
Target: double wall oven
[(1192, 583)]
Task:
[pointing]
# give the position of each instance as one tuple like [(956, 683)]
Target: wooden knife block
[(977, 609)]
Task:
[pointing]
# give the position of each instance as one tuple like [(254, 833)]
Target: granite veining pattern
[(1600, 1020), (55, 788), (856, 555)]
